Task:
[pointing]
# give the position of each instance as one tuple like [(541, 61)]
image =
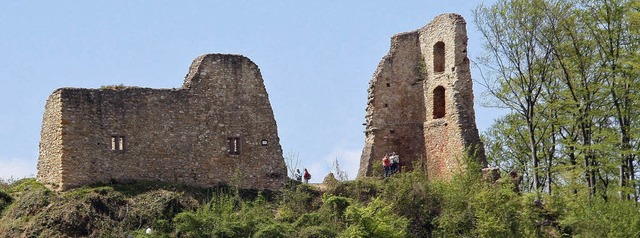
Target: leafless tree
[(292, 161)]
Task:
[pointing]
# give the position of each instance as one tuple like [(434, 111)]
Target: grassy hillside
[(402, 206)]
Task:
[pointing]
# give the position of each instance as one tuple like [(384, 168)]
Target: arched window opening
[(438, 57), (438, 103)]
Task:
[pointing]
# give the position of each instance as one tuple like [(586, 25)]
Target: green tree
[(519, 65), (566, 71)]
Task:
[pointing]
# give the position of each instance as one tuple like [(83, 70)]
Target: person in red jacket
[(386, 163), (307, 176)]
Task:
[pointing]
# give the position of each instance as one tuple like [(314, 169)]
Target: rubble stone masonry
[(420, 102), (218, 128)]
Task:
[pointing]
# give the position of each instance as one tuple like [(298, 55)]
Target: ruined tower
[(218, 128), (421, 101)]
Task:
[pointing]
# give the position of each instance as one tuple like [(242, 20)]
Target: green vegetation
[(405, 205), (569, 71), (116, 87)]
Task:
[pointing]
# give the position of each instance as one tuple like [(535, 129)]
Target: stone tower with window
[(420, 102), (218, 128)]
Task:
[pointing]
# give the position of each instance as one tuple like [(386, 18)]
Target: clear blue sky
[(316, 58)]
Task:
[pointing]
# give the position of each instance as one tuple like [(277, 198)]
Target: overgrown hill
[(405, 205)]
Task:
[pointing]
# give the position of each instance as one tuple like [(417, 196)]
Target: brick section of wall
[(443, 139), (175, 135)]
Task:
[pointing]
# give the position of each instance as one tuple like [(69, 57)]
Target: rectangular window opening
[(234, 145), (117, 143), (114, 143)]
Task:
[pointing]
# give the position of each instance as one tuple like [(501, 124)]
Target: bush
[(298, 200), (363, 190), (225, 216), (309, 219), (145, 208), (217, 218), (5, 200), (412, 197), (374, 220), (33, 196), (496, 211), (456, 217), (334, 207), (274, 231), (315, 232), (83, 212), (597, 217)]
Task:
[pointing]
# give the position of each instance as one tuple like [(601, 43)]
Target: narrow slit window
[(121, 143), (438, 57), (117, 143), (234, 145), (438, 102), (114, 143)]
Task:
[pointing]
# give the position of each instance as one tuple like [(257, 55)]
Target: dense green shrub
[(275, 230), (376, 219), (309, 219), (225, 215), (298, 200), (334, 207), (363, 190), (413, 198), (496, 211), (315, 232), (405, 205), (597, 217)]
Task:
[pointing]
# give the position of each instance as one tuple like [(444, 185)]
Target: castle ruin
[(217, 129), (420, 101)]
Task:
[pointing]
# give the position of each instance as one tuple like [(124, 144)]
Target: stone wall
[(395, 108), (217, 129), (436, 127)]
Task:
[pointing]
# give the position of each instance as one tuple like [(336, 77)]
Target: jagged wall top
[(421, 100), (219, 123)]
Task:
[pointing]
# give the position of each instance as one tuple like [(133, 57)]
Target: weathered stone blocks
[(218, 128), (420, 101)]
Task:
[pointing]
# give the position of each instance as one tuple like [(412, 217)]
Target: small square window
[(264, 142)]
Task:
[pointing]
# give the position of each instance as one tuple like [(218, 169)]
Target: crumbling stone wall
[(395, 108), (421, 101), (218, 128)]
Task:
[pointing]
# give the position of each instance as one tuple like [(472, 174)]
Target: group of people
[(306, 176), (391, 164)]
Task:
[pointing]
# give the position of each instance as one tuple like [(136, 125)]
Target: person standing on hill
[(298, 175), (395, 163), (386, 163), (307, 176)]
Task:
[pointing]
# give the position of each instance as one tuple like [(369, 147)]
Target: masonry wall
[(447, 123), (217, 129), (395, 107), (50, 146)]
